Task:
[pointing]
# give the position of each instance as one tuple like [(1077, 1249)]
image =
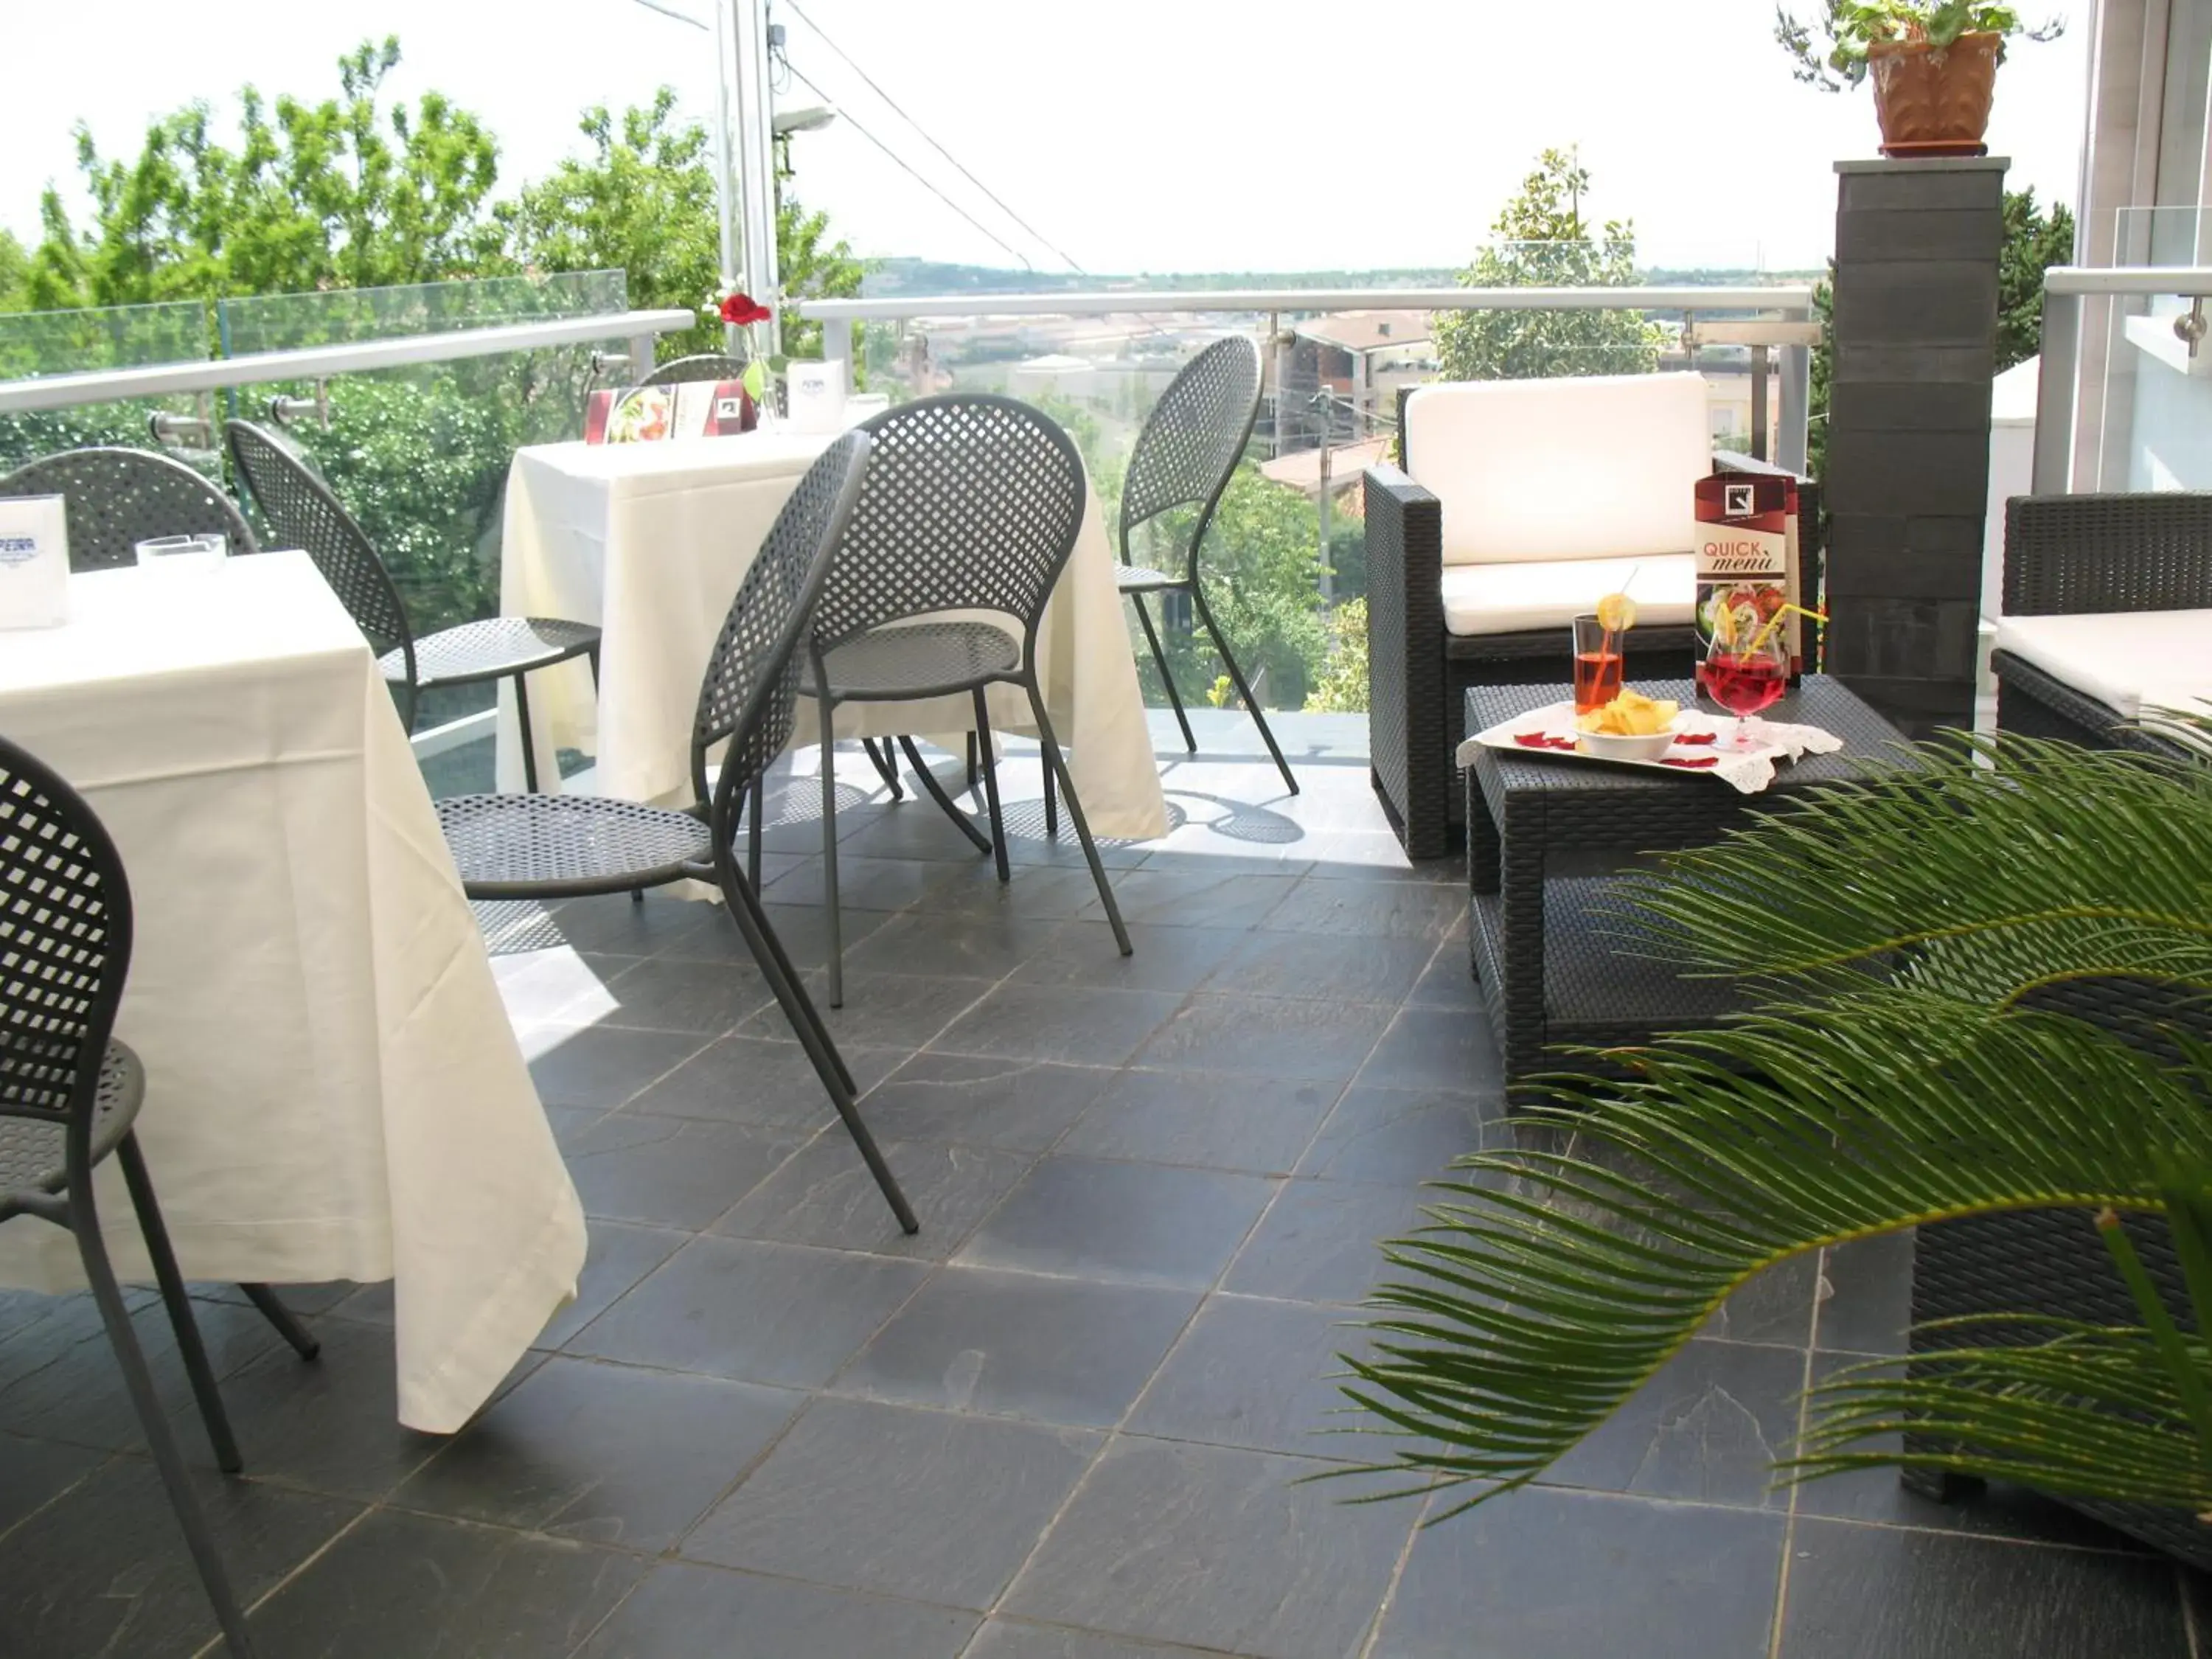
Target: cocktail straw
[(1775, 622), (1605, 638)]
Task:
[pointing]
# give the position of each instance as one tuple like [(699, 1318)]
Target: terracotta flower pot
[(1934, 100)]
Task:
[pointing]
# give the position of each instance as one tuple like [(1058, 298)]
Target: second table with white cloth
[(333, 1088), (650, 541)]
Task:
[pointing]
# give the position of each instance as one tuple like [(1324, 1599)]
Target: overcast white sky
[(1143, 135)]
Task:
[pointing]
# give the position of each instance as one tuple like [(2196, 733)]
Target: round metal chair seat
[(926, 660), (1136, 579), (31, 1149), (532, 846), (490, 649)]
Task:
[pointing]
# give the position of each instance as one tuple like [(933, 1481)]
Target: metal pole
[(725, 161), (1758, 444), (755, 147), (1327, 577), (1791, 445), (2054, 397)]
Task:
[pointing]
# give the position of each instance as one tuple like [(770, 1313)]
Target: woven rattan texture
[(753, 673), (972, 502), (2053, 1262), (302, 512), (923, 659), (489, 649), (2033, 704), (706, 366), (32, 1149), (514, 846), (118, 498), (1407, 717), (2067, 555), (65, 949), (1195, 434)]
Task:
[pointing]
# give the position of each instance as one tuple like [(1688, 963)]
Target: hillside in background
[(891, 278)]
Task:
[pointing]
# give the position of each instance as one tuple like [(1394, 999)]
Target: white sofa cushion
[(1568, 468), (1505, 599), (2129, 660)]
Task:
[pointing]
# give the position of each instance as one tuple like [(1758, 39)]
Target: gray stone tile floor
[(1069, 1418)]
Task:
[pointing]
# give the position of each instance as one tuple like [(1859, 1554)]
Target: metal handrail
[(2133, 281), (105, 386), (2066, 289), (1792, 299)]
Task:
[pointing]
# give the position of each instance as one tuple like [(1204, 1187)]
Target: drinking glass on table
[(1598, 656), (1745, 675)]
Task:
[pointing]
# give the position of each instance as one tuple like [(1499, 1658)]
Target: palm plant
[(1912, 943)]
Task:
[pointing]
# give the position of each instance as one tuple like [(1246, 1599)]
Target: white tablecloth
[(650, 541), (333, 1088)]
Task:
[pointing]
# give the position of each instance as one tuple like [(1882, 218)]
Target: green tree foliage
[(1542, 239), (1342, 689), (338, 194)]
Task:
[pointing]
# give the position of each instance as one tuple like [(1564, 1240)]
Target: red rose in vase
[(740, 309)]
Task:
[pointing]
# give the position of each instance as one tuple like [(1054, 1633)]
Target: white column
[(755, 144)]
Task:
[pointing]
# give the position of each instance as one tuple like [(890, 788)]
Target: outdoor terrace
[(1067, 1420)]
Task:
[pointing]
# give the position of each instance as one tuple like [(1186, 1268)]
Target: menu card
[(1748, 559), (33, 561), (654, 413)]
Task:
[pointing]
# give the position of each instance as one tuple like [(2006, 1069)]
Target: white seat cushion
[(2129, 660), (1505, 599), (1569, 469)]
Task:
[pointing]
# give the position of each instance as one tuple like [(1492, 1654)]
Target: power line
[(846, 116), (1042, 239)]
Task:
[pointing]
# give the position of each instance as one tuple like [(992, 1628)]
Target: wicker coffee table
[(1539, 832)]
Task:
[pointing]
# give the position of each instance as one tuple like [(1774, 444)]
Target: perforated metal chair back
[(706, 366), (118, 498), (64, 951), (1195, 437), (302, 512), (750, 691), (972, 502)]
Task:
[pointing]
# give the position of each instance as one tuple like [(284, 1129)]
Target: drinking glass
[(206, 548), (1597, 664), (1745, 675)]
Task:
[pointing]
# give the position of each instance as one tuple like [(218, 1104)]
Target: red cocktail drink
[(1597, 679)]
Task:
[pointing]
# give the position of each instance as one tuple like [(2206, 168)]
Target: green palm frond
[(1978, 868), (1549, 1286)]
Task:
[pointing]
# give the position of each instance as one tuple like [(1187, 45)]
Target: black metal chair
[(972, 503), (705, 366), (1185, 457), (70, 1096), (302, 512), (118, 498), (540, 847)]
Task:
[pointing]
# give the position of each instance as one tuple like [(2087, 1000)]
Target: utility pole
[(742, 34), (1328, 576)]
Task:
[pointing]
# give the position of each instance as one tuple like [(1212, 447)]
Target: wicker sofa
[(2107, 610), (2090, 557), (1518, 504)]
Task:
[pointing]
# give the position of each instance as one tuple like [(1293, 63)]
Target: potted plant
[(1987, 982), (1933, 63)]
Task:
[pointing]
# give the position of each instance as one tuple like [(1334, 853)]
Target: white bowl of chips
[(1631, 727)]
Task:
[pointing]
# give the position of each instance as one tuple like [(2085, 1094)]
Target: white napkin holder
[(815, 395), (33, 561)]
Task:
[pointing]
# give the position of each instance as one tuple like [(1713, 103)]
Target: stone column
[(1906, 482)]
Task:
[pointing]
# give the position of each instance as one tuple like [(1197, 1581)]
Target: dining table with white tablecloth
[(650, 542), (333, 1088)]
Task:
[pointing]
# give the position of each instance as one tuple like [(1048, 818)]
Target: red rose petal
[(1696, 737), (1692, 763)]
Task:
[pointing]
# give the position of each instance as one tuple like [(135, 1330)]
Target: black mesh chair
[(972, 503), (70, 1097), (118, 498), (1185, 457), (303, 513), (706, 366), (541, 847)]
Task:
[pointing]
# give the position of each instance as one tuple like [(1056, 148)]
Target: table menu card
[(33, 561)]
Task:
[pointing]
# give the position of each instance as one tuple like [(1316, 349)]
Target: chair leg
[(636, 894), (1055, 762), (190, 1349), (935, 791), (1051, 799), (971, 762), (1236, 674), (990, 780), (814, 1037), (830, 855), (529, 748), (1160, 657), (756, 809), (160, 1440), (304, 1342), (784, 966), (884, 769)]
